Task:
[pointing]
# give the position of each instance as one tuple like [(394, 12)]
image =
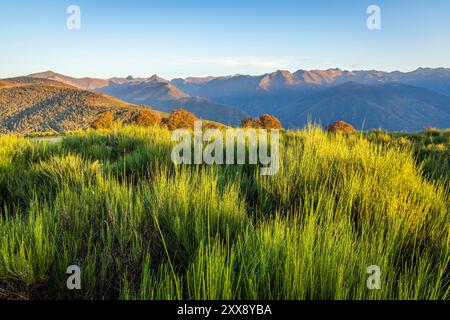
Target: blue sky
[(198, 38)]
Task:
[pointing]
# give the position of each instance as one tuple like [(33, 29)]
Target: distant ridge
[(161, 94), (82, 83), (288, 95), (390, 106), (164, 96), (293, 97)]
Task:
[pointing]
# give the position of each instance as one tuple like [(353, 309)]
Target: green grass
[(431, 148), (139, 227)]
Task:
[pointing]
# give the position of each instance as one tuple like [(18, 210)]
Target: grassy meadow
[(140, 227), (431, 148)]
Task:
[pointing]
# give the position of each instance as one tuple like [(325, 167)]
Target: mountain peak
[(45, 74), (156, 78), (282, 74), (276, 79)]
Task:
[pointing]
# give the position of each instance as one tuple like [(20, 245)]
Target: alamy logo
[(374, 20), (74, 19), (374, 280), (191, 150), (74, 280)]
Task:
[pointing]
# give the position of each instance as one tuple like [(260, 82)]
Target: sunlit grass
[(141, 228)]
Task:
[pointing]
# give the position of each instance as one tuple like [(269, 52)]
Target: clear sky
[(198, 38)]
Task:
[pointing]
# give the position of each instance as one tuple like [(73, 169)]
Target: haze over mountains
[(164, 96), (156, 92), (299, 97), (394, 106), (367, 99)]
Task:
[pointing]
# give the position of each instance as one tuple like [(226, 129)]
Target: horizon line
[(224, 76)]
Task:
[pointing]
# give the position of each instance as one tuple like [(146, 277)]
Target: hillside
[(392, 106), (39, 105)]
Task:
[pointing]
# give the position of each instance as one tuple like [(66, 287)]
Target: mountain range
[(396, 101), (154, 91), (392, 106), (330, 95)]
